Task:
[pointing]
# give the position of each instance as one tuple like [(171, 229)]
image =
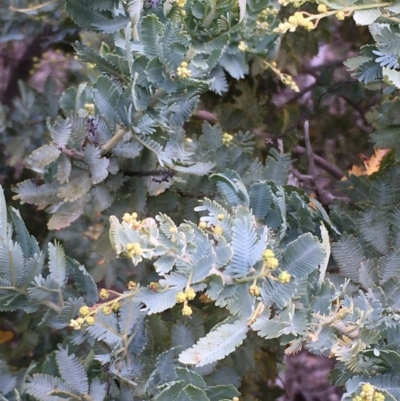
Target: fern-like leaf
[(72, 371), (215, 345)]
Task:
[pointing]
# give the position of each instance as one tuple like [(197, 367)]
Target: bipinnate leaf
[(366, 17), (277, 167), (260, 199), (222, 392), (98, 390), (77, 187), (157, 301), (57, 263), (97, 164), (348, 255), (106, 94), (84, 282), (72, 371), (43, 195), (303, 255), (61, 131), (243, 242), (150, 30), (215, 345), (130, 315), (27, 242), (41, 385), (42, 157), (12, 262)]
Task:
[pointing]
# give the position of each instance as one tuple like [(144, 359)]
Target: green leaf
[(260, 199), (277, 167), (61, 131), (215, 345), (97, 164), (374, 229), (302, 256), (72, 372), (243, 243), (42, 157), (366, 17), (57, 264), (155, 301), (150, 31), (348, 255), (86, 16), (106, 95)]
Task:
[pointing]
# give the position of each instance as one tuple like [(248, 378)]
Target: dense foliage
[(186, 252)]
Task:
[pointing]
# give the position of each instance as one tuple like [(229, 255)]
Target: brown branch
[(205, 115), (330, 168), (298, 95)]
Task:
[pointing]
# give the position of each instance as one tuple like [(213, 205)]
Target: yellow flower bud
[(107, 310), (202, 225), (190, 294), (220, 216), (89, 320), (116, 307), (180, 297), (322, 8), (340, 15), (80, 320), (104, 294), (84, 310), (254, 290), (187, 311), (284, 277), (173, 230), (268, 254), (272, 263), (218, 230)]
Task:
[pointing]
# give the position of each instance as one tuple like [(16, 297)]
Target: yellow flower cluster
[(84, 318), (89, 107), (269, 11), (134, 249), (340, 15), (203, 225), (242, 46), (108, 309), (226, 139), (262, 25), (294, 21), (218, 230), (270, 260), (322, 8), (183, 71), (288, 81), (254, 290), (220, 216), (369, 393), (181, 3), (104, 294), (131, 219), (184, 297), (284, 277)]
